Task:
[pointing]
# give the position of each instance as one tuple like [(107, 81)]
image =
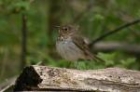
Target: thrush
[(71, 46)]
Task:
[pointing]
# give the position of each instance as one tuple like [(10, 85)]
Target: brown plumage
[(71, 46)]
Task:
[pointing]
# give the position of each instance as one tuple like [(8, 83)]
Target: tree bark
[(44, 78)]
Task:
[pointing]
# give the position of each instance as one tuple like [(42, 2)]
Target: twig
[(114, 31), (7, 87), (24, 40), (7, 84)]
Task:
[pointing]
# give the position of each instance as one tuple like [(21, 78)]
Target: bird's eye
[(65, 29)]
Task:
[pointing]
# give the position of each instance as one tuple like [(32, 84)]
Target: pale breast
[(68, 50)]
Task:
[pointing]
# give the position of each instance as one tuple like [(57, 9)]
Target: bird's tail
[(97, 58), (91, 56)]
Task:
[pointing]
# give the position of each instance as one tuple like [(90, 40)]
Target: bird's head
[(67, 30)]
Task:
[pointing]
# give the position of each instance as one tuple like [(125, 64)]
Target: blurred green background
[(95, 17)]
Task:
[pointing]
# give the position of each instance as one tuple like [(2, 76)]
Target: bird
[(72, 46)]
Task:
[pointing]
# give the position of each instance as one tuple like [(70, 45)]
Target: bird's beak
[(57, 26)]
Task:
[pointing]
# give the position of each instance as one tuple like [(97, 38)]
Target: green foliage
[(111, 60), (101, 17), (114, 59), (15, 6)]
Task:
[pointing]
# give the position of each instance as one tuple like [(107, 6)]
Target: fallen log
[(133, 49), (44, 78)]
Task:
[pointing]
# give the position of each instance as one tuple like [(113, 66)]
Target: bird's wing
[(80, 42)]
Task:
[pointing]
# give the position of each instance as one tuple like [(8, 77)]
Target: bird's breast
[(68, 50)]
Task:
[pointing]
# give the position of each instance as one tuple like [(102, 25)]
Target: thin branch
[(7, 84), (114, 31), (24, 41), (7, 87)]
